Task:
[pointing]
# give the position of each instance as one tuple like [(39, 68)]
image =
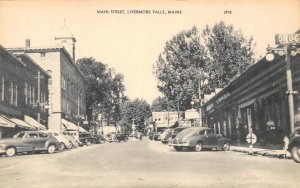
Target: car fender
[(20, 147), (222, 141), (193, 141)]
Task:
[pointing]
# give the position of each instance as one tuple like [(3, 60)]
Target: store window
[(2, 89), (11, 92), (26, 93)]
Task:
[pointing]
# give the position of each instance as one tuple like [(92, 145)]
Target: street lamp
[(287, 50)]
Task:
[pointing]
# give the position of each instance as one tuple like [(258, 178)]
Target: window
[(209, 132), (26, 93), (11, 92), (202, 132), (16, 95), (29, 94), (2, 89), (33, 135), (43, 135)]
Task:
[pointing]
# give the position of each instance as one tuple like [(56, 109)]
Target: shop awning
[(5, 122), (71, 126), (22, 124), (34, 123)]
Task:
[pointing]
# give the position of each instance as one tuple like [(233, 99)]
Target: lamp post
[(288, 50)]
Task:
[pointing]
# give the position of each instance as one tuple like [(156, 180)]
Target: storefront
[(256, 101)]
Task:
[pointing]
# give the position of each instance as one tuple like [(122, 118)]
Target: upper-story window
[(11, 92), (2, 89), (26, 93)]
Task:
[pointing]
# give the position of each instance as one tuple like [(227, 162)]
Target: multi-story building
[(23, 94), (67, 85)]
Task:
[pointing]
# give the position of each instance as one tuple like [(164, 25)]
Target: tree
[(104, 88), (179, 66), (161, 104), (229, 51), (137, 110)]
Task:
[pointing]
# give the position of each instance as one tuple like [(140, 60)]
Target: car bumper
[(180, 144)]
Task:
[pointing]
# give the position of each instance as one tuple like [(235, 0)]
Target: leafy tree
[(104, 88), (179, 67), (137, 110), (229, 51), (161, 104)]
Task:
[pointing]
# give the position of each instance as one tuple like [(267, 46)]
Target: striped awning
[(34, 123), (5, 122), (22, 124), (71, 126)]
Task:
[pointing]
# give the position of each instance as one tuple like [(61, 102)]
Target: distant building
[(164, 119), (67, 85), (23, 94)]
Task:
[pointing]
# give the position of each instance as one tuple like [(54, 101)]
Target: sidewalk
[(268, 151)]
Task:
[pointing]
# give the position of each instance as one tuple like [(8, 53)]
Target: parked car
[(85, 139), (166, 136), (150, 135), (156, 136), (97, 139), (121, 137), (198, 138), (28, 141), (177, 130), (294, 146), (74, 142), (65, 142)]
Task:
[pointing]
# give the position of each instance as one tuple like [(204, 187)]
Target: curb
[(262, 153)]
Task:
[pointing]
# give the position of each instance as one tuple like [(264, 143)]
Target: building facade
[(67, 85), (256, 101), (23, 94)]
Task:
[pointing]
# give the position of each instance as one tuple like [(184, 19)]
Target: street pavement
[(146, 164)]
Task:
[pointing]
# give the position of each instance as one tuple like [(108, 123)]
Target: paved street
[(146, 164)]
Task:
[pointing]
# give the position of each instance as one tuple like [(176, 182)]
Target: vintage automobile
[(65, 142), (176, 131), (294, 146), (74, 142), (85, 139), (97, 139), (197, 138), (156, 136), (166, 136), (29, 141)]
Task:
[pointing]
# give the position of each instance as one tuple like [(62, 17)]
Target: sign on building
[(287, 38), (191, 114)]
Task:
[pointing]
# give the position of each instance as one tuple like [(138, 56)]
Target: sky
[(130, 43)]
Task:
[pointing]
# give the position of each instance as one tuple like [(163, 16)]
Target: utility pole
[(38, 77), (200, 102)]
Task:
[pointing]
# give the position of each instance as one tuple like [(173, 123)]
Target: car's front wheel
[(51, 149), (11, 151), (88, 143), (69, 146), (295, 153), (226, 146), (198, 147), (62, 146)]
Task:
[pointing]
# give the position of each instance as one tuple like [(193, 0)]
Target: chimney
[(27, 43)]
